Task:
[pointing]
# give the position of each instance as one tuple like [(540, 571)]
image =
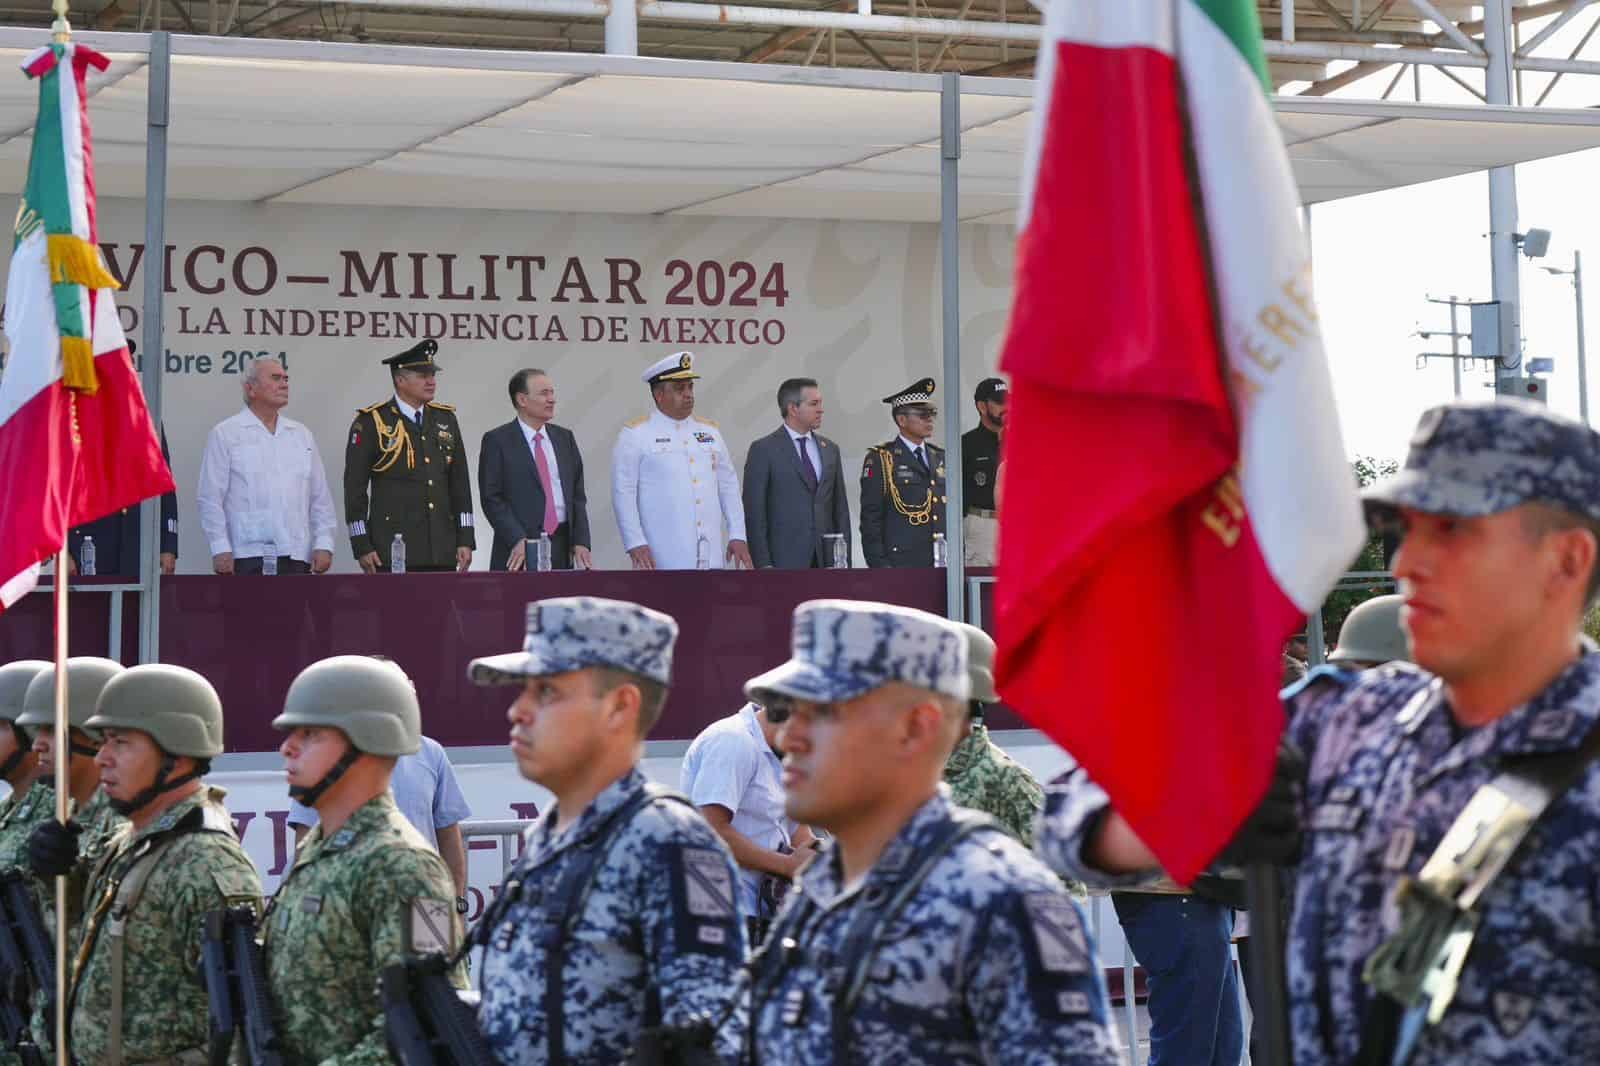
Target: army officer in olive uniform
[(412, 452), (902, 484)]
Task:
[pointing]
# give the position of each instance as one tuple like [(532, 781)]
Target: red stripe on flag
[(36, 457), (1130, 622), (120, 461)]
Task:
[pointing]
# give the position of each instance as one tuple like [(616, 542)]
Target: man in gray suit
[(794, 491)]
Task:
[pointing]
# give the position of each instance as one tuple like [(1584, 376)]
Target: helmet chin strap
[(162, 783), (23, 749), (309, 796)]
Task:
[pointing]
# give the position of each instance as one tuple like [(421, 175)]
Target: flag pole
[(61, 33), (62, 798), (1268, 972)]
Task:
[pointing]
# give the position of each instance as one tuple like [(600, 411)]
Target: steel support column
[(950, 304), (622, 28), (155, 236), (1507, 287)]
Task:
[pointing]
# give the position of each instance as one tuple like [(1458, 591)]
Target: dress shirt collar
[(406, 409), (528, 431), (912, 448), (793, 436)]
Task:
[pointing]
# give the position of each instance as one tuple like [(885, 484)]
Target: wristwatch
[(461, 904)]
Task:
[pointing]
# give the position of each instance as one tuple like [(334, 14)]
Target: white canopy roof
[(310, 122)]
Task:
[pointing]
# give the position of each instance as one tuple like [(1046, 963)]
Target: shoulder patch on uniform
[(237, 887), (705, 907), (430, 926), (1060, 966), (634, 423), (441, 406), (704, 421)]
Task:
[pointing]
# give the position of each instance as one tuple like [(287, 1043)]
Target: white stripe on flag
[(1295, 475), (19, 586), (72, 144), (35, 360)]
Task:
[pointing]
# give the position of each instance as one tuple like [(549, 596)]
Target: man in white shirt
[(732, 772), (672, 481), (263, 488)]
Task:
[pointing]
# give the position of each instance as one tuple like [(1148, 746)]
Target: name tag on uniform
[(1336, 817), (1398, 853), (311, 904)]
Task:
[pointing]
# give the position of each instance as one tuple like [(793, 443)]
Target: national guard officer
[(26, 806), (902, 485), (673, 485), (56, 850), (411, 450), (136, 997), (979, 773), (621, 920), (1409, 943), (366, 890), (922, 932), (980, 473)]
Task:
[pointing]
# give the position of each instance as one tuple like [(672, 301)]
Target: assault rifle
[(425, 1021), (27, 965), (236, 985)]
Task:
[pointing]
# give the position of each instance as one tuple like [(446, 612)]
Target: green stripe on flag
[(1241, 22)]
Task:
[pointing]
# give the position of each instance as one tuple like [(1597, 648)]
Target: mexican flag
[(76, 440), (1164, 345)]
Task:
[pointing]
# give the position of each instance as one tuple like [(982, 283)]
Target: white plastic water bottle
[(269, 559), (86, 557), (941, 552), (838, 554), (702, 555), (397, 555)]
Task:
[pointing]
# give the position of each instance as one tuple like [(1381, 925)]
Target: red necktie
[(544, 482)]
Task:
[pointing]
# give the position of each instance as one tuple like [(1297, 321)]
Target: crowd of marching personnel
[(1441, 821)]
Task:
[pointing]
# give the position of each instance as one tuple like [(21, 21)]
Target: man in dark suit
[(794, 492), (530, 479)]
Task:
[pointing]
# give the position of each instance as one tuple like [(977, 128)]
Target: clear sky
[(1379, 257)]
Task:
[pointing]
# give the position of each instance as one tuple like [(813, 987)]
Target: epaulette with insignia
[(706, 421), (641, 420), (369, 410), (442, 406)]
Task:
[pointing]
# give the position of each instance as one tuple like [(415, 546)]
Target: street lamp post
[(1576, 274)]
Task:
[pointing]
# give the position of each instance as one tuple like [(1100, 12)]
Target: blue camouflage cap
[(846, 648), (576, 632), (1475, 459)]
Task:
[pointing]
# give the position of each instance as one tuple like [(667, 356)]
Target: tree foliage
[(1342, 601)]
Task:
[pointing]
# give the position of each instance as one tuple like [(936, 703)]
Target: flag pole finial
[(61, 30)]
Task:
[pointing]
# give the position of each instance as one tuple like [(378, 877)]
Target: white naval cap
[(679, 366)]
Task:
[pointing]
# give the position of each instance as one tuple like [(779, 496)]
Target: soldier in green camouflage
[(979, 774), (74, 847), (27, 806), (136, 993), (366, 890)]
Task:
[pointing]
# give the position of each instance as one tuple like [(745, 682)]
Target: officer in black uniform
[(411, 450), (902, 484), (980, 469)]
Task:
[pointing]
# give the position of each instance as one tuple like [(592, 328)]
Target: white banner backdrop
[(592, 299)]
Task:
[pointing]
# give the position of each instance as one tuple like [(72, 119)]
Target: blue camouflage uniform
[(1389, 771), (988, 960), (661, 921)]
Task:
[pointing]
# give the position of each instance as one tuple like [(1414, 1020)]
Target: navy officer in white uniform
[(673, 485)]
